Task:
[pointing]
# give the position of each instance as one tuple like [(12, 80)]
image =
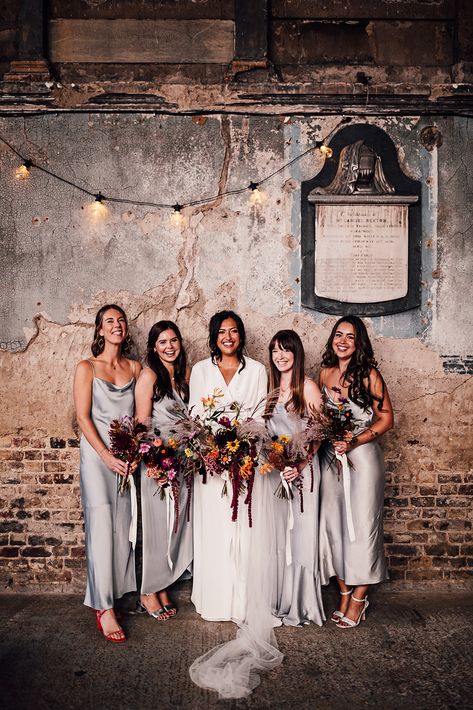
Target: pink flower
[(166, 463), (144, 448)]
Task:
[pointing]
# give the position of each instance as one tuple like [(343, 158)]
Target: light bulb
[(23, 171), (326, 151), (97, 210), (257, 197), (177, 218)]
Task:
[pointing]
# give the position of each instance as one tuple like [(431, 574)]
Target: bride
[(233, 566), (221, 546)]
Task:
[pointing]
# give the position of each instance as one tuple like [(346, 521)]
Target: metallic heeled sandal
[(160, 614), (337, 615), (346, 623)]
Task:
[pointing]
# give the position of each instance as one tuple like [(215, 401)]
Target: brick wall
[(427, 518), (41, 529)]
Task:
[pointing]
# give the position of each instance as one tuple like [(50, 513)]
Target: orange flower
[(265, 468), (277, 446)]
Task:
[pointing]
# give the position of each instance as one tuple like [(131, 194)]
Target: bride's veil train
[(231, 669)]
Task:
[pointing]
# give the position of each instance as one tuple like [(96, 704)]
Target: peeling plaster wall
[(61, 263)]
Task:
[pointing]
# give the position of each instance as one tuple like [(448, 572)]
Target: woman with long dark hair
[(298, 590), (162, 386), (234, 565), (218, 593), (103, 391), (351, 514)]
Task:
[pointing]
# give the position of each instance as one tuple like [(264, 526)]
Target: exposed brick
[(41, 540), (54, 466), (41, 514), (423, 502), (74, 564), (73, 443), (51, 455), (401, 550), (450, 478), (33, 455), (78, 552), (35, 552), (11, 527), (63, 478), (9, 551), (436, 550), (428, 490), (453, 502), (396, 502), (466, 490), (12, 455), (56, 443)]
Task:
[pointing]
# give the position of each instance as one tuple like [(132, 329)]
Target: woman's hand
[(114, 464), (342, 447), (290, 473)]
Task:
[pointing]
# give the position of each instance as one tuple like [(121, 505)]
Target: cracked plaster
[(62, 265)]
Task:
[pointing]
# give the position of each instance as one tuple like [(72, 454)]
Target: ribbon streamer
[(346, 490), (170, 522), (134, 512), (290, 519)]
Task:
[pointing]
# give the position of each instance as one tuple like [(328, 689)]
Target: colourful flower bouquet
[(336, 420), (126, 436), (162, 463), (220, 444), (294, 451)]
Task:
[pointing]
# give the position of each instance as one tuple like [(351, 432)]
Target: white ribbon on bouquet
[(290, 519), (346, 476)]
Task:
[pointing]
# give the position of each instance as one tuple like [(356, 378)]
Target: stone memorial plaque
[(361, 252), (361, 229)]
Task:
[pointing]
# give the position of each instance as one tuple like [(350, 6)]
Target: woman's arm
[(384, 416), (83, 380), (144, 393)]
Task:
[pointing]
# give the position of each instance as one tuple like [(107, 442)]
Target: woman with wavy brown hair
[(160, 391), (352, 493), (103, 390), (298, 589)]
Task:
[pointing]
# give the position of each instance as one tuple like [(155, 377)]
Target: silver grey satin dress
[(107, 514), (158, 538), (298, 585), (361, 561)]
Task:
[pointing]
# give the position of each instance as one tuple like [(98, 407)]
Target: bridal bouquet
[(162, 464), (221, 445), (126, 436)]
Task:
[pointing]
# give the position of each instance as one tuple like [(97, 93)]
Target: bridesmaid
[(103, 390), (357, 560), (162, 386), (298, 598), (221, 546)]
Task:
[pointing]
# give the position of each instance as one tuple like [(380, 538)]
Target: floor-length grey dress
[(159, 540), (359, 561), (298, 595), (107, 514)]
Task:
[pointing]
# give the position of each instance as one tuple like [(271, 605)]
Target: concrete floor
[(414, 651)]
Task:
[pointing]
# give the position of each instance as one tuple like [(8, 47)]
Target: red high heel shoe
[(110, 637)]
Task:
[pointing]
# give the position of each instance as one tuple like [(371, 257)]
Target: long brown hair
[(98, 342), (163, 385), (290, 341), (361, 363)]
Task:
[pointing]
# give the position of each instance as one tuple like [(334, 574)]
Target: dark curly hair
[(163, 384), (98, 342), (360, 365), (214, 326)]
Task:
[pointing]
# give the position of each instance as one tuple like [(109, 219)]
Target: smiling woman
[(167, 552), (103, 391), (218, 592)]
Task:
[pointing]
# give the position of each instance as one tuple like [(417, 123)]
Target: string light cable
[(23, 172)]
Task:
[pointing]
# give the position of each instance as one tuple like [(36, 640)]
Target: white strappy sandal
[(337, 615), (346, 623)]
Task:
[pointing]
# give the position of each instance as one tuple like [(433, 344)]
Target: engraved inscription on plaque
[(361, 252)]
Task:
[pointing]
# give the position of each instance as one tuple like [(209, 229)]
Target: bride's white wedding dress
[(234, 565)]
